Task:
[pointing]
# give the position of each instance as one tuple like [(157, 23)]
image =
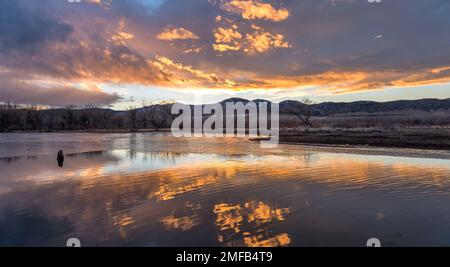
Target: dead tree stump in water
[(60, 158)]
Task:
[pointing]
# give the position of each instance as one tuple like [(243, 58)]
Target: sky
[(122, 53)]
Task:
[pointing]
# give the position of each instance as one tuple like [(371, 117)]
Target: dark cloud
[(91, 62), (57, 96), (24, 30)]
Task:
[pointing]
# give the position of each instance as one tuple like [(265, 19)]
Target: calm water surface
[(154, 190)]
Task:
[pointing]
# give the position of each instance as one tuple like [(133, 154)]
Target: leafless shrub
[(135, 119), (304, 112), (158, 116), (34, 116), (70, 117)]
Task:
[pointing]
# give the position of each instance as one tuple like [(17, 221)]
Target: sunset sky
[(121, 52)]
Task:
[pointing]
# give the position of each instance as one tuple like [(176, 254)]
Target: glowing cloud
[(224, 35), (171, 34), (255, 9), (260, 41), (121, 37), (227, 39)]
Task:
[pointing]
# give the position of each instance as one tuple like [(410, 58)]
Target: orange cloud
[(227, 35), (171, 34), (227, 39), (341, 82), (103, 3), (226, 47), (98, 2), (255, 9), (179, 75), (121, 37), (260, 41), (188, 69)]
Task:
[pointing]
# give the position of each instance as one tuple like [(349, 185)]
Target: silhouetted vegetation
[(15, 117), (304, 111), (294, 114)]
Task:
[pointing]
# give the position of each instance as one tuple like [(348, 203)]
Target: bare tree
[(118, 121), (88, 116), (70, 116), (304, 111), (34, 116), (12, 116), (135, 119), (158, 116), (103, 118)]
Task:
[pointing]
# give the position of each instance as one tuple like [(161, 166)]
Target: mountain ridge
[(333, 108)]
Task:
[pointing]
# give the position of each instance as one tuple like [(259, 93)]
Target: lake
[(150, 189)]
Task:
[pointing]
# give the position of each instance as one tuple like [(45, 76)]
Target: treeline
[(16, 117)]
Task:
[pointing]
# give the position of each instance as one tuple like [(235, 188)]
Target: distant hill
[(333, 108)]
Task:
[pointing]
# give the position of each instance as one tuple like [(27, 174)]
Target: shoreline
[(417, 143), (374, 151), (406, 142)]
